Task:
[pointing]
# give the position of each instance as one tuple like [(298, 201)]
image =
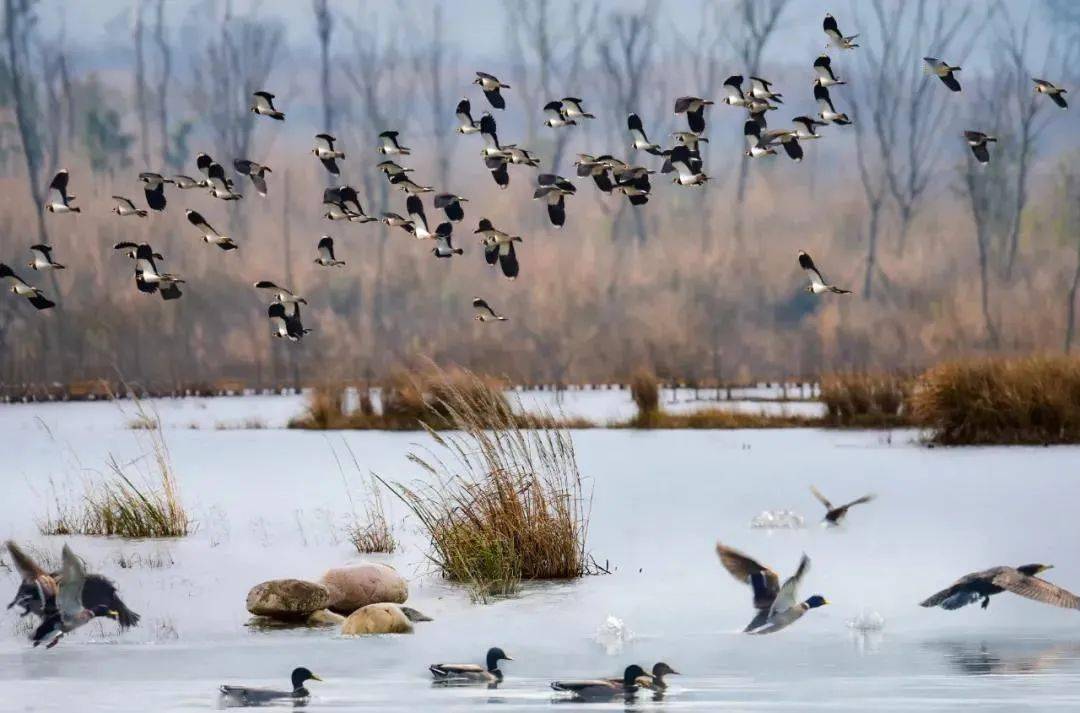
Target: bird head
[(1032, 569), (816, 601), (301, 675), (102, 610), (808, 288), (662, 669), (49, 208)]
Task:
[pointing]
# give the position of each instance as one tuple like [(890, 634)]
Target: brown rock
[(382, 618), (287, 598), (359, 585)]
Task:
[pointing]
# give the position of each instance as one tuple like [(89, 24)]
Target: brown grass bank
[(866, 400)]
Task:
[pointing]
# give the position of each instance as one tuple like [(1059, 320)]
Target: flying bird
[(444, 245), (694, 108), (186, 182), (762, 89), (823, 68), (835, 513), (1019, 580), (71, 612), (393, 220), (326, 253), (690, 173), (837, 38), (391, 169), (59, 201), (641, 141), (817, 282), (466, 125), (154, 189), (806, 127), (491, 148), (244, 696), (125, 207), (554, 190), (776, 604), (389, 146), (557, 116), (324, 150), (278, 293), (826, 110), (451, 205), (132, 248), (209, 235), (264, 105), (491, 86), (255, 171), (415, 208), (17, 286), (148, 279), (572, 108), (499, 248), (733, 93), (634, 185), (756, 144), (221, 186), (484, 312), (978, 141), (402, 181), (285, 319), (343, 203), (943, 71), (597, 168), (43, 259), (470, 672), (1054, 92), (521, 157)]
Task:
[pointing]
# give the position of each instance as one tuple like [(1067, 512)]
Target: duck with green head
[(634, 677), (471, 672), (244, 696)]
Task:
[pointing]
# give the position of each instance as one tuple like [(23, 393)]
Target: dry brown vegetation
[(866, 400), (1001, 401)]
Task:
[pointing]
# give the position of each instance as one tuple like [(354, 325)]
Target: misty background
[(946, 257)]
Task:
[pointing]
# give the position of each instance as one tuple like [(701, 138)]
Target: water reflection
[(983, 659)]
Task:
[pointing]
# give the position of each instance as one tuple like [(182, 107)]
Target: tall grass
[(368, 530), (506, 503), (867, 400), (645, 391), (1002, 401)]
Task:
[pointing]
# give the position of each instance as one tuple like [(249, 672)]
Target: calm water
[(270, 503)]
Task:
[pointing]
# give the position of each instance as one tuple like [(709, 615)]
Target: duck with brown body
[(1019, 580)]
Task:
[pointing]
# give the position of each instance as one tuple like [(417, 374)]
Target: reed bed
[(506, 501), (866, 400), (645, 391), (1030, 400), (719, 419)]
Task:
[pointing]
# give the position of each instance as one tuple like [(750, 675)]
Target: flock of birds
[(70, 598), (610, 175)]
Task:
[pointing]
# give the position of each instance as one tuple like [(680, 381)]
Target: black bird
[(18, 287), (70, 612), (324, 150), (264, 104), (826, 110), (149, 279), (415, 208), (978, 141), (1019, 580), (183, 183), (393, 220), (484, 312), (943, 71), (402, 181), (43, 259), (491, 86), (499, 172), (466, 125), (444, 244), (835, 513), (823, 68), (451, 205), (245, 696), (278, 293), (554, 190), (255, 171), (499, 248), (837, 38), (285, 319), (776, 604), (125, 207), (204, 162), (391, 169), (694, 108), (326, 253), (59, 201), (209, 235), (389, 146), (641, 141), (605, 688), (154, 188), (1054, 92), (470, 672)]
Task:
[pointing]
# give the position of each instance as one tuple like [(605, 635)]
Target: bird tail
[(841, 291), (141, 213), (125, 617), (278, 115), (589, 116), (58, 266)]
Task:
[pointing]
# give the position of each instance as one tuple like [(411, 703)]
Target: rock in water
[(358, 585), (287, 599), (325, 617), (381, 618)]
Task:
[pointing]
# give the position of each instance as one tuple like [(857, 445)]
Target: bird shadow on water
[(969, 658)]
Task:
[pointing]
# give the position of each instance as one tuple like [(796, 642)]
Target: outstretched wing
[(73, 576), (786, 597), (1035, 588), (817, 493)]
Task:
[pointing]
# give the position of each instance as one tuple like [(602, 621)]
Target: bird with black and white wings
[(572, 108), (389, 145), (756, 145), (131, 248), (499, 248), (17, 286), (491, 86), (444, 244), (209, 235), (450, 204), (186, 182), (634, 184), (823, 68), (205, 163), (817, 285), (837, 38), (806, 127), (285, 320), (762, 89), (220, 185), (689, 173), (466, 125), (943, 71), (154, 189), (326, 153), (343, 203), (59, 201), (733, 93), (556, 115), (277, 293), (484, 312), (694, 108), (325, 249), (1051, 90), (553, 190), (264, 106), (124, 207), (786, 608), (640, 140), (390, 169), (488, 133), (149, 279), (826, 110), (43, 259), (979, 142), (415, 208), (393, 220), (404, 183), (593, 166), (255, 171), (521, 156)]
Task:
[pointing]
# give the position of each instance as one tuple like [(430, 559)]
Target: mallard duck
[(659, 670), (776, 604), (634, 677), (835, 513), (471, 672), (254, 696), (1019, 580), (69, 613)]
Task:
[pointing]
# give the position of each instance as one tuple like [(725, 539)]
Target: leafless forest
[(946, 257)]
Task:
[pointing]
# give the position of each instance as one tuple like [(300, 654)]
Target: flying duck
[(943, 71), (466, 125), (484, 312), (389, 146), (1019, 580), (264, 105), (324, 150), (761, 89), (491, 86), (402, 181), (554, 190), (326, 253), (285, 319), (641, 141), (125, 207), (694, 108), (823, 68), (59, 201), (148, 279), (776, 605), (186, 182), (806, 127), (557, 116), (244, 696), (837, 38), (817, 282), (573, 109), (451, 205), (154, 188), (70, 612), (733, 93), (978, 141), (343, 203), (470, 672), (444, 245), (605, 688), (255, 171), (220, 185), (835, 513), (17, 287), (689, 171), (43, 259), (209, 235), (825, 106), (1054, 92), (499, 248), (278, 293)]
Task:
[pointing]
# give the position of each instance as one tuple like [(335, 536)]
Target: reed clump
[(1030, 400), (645, 391), (504, 502), (720, 419), (370, 532), (866, 400)]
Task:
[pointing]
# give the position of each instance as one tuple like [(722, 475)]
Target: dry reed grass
[(866, 400), (645, 391), (1030, 400)]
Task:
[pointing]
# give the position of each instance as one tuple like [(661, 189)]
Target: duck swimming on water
[(634, 677), (244, 696), (1019, 580), (470, 672)]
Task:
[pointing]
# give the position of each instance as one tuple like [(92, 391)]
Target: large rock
[(287, 599), (382, 618), (358, 585)]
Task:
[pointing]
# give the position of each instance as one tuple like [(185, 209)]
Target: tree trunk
[(1070, 312)]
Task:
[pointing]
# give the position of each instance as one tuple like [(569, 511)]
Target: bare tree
[(324, 27), (431, 66), (142, 99), (164, 79)]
